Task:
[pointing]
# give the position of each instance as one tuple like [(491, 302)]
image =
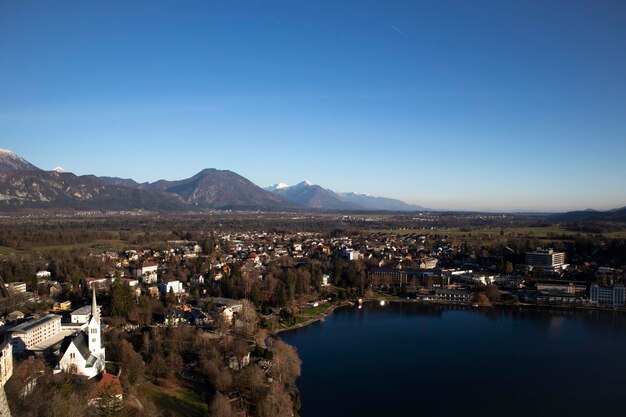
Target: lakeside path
[(317, 318)]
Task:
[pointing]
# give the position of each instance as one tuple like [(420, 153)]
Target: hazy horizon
[(449, 105)]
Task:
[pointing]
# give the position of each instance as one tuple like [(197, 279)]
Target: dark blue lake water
[(409, 359)]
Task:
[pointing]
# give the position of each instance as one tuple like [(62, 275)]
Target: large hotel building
[(546, 259)]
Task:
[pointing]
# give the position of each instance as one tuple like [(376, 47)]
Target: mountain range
[(313, 196), (616, 215), (24, 186)]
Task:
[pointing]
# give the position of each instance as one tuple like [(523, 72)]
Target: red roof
[(112, 382)]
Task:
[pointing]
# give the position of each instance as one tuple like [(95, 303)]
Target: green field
[(4, 250), (98, 245), (494, 232), (311, 312), (174, 402)]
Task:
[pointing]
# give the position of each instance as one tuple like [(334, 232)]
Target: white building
[(147, 272), (351, 254), (612, 296), (325, 280), (6, 370), (546, 259), (16, 287), (43, 275), (82, 315), (175, 286), (83, 353), (27, 335), (474, 279), (6, 362), (237, 363), (429, 263), (197, 280)]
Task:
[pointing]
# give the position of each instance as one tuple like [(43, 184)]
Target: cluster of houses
[(75, 346), (457, 284)]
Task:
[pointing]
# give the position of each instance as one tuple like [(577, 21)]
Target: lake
[(412, 359)]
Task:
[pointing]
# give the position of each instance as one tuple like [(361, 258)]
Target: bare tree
[(252, 382), (285, 363), (220, 377), (277, 403), (220, 407), (247, 320), (131, 362)]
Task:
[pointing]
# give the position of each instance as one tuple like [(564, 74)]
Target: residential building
[(197, 280), (132, 283), (325, 280), (612, 296), (409, 279), (567, 287), (474, 279), (82, 315), (6, 362), (44, 274), (237, 363), (227, 306), (453, 295), (16, 287), (546, 259), (556, 298), (147, 272), (174, 286), (388, 277), (27, 335), (428, 263), (97, 283), (6, 370), (62, 306), (351, 254), (514, 281)]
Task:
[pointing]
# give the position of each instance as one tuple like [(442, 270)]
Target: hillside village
[(195, 314)]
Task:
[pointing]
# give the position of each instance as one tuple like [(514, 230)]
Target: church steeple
[(94, 308), (93, 328)]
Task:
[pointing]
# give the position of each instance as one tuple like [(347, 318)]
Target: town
[(134, 316)]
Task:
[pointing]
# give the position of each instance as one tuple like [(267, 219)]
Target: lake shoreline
[(331, 309), (405, 347)]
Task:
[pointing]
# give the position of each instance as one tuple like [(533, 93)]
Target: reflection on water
[(424, 359)]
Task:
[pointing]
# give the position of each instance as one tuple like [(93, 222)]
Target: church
[(83, 354)]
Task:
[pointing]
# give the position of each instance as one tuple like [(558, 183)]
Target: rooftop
[(82, 311), (29, 325), (51, 341), (221, 301)]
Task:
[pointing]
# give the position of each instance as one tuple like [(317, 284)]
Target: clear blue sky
[(497, 105)]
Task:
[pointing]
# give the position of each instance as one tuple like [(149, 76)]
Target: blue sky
[(448, 104)]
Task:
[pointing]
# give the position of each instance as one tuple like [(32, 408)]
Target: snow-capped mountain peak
[(305, 183), (276, 187), (9, 161)]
